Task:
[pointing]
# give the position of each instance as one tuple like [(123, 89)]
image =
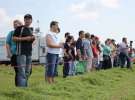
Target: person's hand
[(33, 38), (30, 38)]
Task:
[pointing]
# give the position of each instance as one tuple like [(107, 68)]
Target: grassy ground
[(113, 84)]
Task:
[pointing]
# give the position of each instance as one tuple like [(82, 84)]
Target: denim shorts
[(52, 62)]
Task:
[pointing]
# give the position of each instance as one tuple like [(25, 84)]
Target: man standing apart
[(124, 56), (24, 38)]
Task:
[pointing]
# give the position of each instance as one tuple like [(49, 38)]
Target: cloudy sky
[(105, 18)]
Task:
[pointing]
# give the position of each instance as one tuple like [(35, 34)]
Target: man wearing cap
[(24, 38)]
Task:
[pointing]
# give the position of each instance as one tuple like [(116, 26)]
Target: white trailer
[(3, 53), (38, 50)]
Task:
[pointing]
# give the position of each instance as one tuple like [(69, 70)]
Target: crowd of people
[(85, 54), (95, 55)]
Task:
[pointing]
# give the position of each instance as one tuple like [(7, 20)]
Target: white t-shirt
[(56, 40), (123, 48)]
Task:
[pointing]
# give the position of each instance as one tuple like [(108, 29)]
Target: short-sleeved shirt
[(56, 40), (106, 50), (79, 44), (123, 48), (24, 47), (86, 44), (11, 43), (95, 51)]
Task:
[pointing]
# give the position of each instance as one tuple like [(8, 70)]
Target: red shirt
[(95, 51)]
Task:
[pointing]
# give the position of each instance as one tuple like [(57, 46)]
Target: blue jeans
[(123, 59), (72, 68), (51, 67), (23, 70)]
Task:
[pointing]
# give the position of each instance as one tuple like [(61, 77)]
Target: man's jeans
[(23, 70), (123, 59)]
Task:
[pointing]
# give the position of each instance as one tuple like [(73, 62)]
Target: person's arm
[(85, 54), (9, 54), (32, 38), (17, 38), (51, 44), (20, 39), (65, 53), (70, 54), (8, 43), (85, 47)]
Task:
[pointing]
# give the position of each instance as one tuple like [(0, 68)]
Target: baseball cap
[(28, 16)]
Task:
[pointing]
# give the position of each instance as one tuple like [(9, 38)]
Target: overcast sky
[(105, 18)]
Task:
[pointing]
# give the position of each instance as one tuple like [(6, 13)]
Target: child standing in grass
[(67, 56)]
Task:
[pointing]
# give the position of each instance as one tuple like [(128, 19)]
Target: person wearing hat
[(23, 36)]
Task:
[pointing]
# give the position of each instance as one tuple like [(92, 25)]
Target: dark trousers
[(107, 62), (66, 68), (123, 59), (116, 61)]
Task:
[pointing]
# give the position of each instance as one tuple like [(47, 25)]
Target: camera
[(131, 42)]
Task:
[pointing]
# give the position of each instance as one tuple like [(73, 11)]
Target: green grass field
[(113, 84)]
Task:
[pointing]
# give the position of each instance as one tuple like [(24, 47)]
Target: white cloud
[(89, 15), (78, 7), (91, 9), (4, 21), (111, 3), (3, 16), (86, 10)]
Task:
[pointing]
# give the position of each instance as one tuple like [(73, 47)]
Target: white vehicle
[(3, 53)]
